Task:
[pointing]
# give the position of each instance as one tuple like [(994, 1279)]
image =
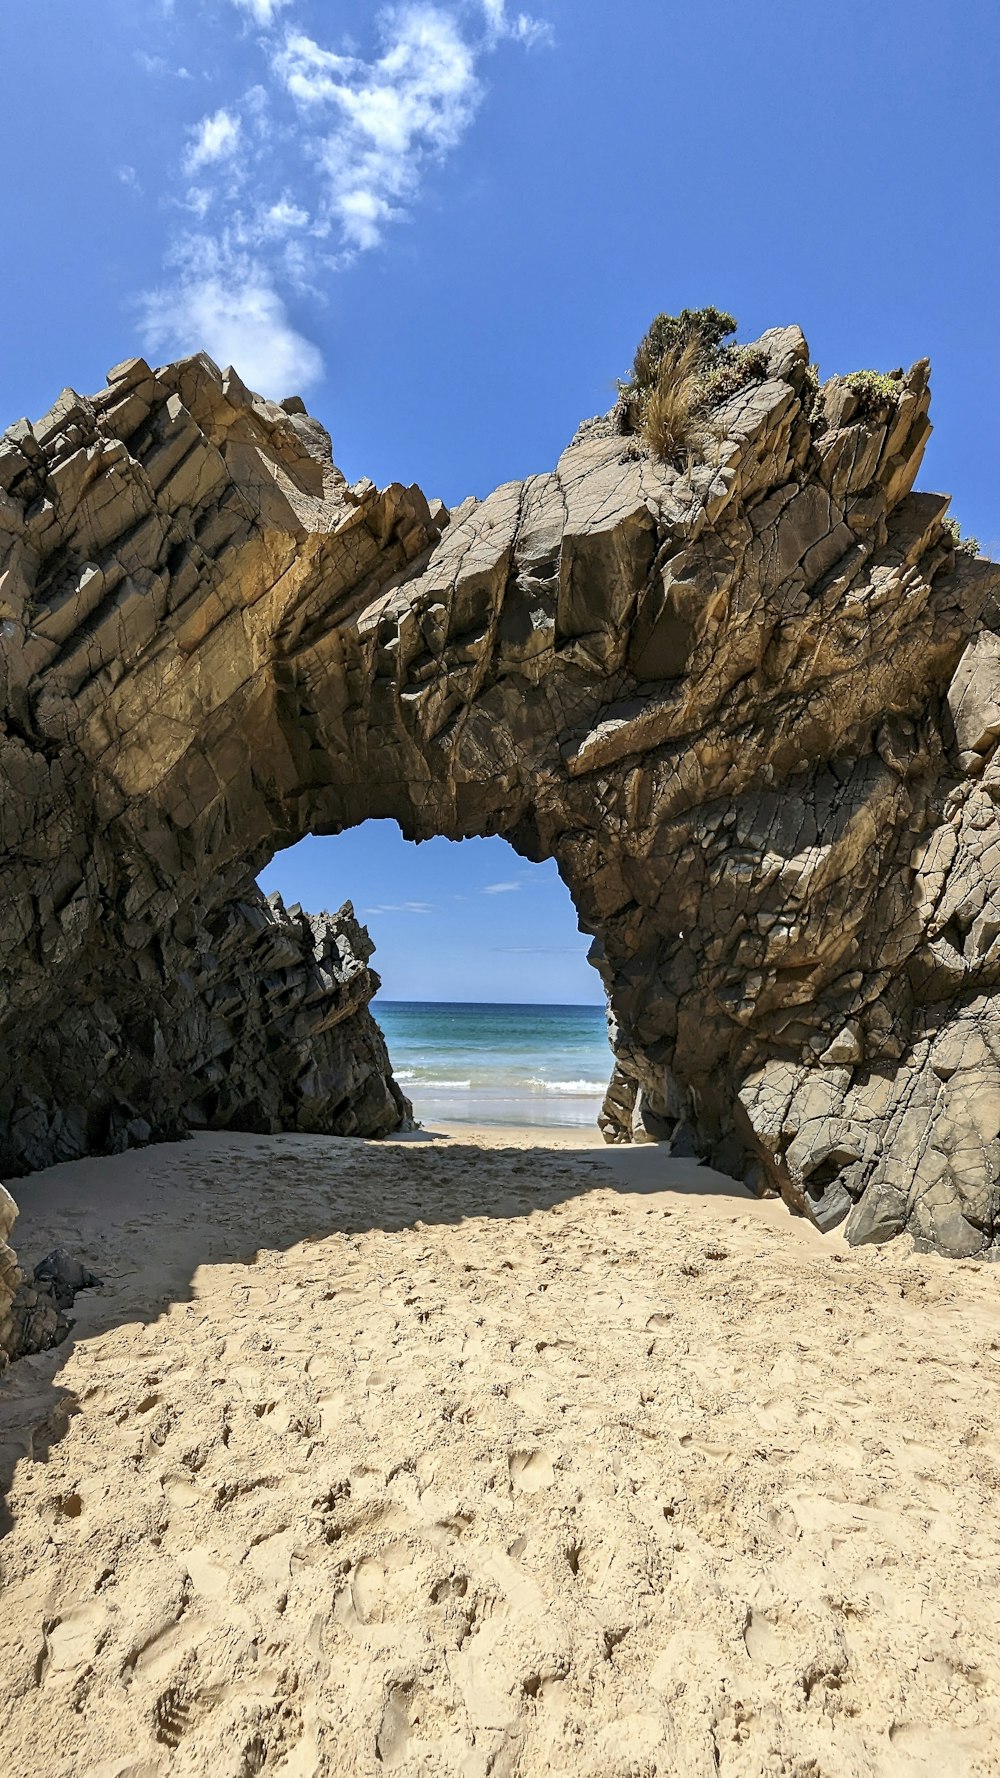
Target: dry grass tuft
[(669, 421), (682, 372)]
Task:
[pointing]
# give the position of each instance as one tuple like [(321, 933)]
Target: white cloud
[(214, 139), (224, 304), (129, 177), (500, 888), (402, 907), (158, 65), (362, 214), (198, 199), (394, 114), (308, 71), (291, 180), (284, 216), (263, 12), (521, 27)]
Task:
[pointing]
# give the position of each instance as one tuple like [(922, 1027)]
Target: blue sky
[(452, 920), (448, 223)]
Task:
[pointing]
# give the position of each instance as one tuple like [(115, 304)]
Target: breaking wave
[(568, 1087)]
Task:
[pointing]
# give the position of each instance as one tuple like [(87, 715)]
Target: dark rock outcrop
[(38, 1314), (267, 1025), (245, 1017), (750, 707)]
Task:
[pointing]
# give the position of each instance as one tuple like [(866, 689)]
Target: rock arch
[(749, 706)]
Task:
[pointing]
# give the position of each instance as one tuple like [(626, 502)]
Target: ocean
[(470, 1063)]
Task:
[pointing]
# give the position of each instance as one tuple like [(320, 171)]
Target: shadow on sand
[(145, 1221)]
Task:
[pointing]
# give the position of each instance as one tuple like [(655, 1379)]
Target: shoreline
[(492, 1063), (485, 1451), (528, 1111)]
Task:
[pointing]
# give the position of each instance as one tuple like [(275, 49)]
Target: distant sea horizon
[(501, 1062)]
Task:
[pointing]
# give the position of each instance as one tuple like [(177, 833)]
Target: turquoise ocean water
[(469, 1063)]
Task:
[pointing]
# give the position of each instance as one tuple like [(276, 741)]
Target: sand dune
[(467, 1456)]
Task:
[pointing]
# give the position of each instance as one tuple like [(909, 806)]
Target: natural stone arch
[(717, 696)]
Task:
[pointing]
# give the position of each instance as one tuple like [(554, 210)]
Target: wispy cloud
[(500, 889), (159, 66), (291, 181), (389, 117), (520, 26), (214, 139), (263, 12), (221, 302), (283, 217), (402, 907)]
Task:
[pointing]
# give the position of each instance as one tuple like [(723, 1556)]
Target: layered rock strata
[(750, 707), (268, 1024), (246, 1017)]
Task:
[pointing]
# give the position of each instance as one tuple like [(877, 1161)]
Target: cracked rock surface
[(750, 707)]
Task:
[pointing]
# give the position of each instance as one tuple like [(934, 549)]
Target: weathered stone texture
[(10, 1276), (249, 1017), (267, 1024), (750, 708), (38, 1312)]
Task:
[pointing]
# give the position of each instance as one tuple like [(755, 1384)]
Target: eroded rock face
[(269, 1024), (750, 709), (10, 1277), (249, 1017)]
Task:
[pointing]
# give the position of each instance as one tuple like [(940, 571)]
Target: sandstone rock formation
[(750, 707)]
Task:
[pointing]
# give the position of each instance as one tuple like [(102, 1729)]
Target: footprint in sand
[(530, 1471), (765, 1642), (396, 1728), (207, 1575), (71, 1640), (382, 1587)]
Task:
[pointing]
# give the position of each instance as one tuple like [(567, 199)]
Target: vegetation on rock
[(811, 398), (682, 370), (874, 390), (687, 366), (968, 546)]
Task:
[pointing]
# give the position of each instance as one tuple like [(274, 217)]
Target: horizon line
[(577, 1005)]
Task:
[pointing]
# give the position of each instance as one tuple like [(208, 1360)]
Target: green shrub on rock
[(966, 546), (681, 371), (874, 390), (735, 367)]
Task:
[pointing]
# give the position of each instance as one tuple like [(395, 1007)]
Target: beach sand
[(492, 1453)]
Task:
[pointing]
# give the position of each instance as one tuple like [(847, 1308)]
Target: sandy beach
[(478, 1453)]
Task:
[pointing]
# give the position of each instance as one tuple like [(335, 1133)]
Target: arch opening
[(491, 1011)]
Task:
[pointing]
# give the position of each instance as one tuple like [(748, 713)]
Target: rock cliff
[(750, 706)]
